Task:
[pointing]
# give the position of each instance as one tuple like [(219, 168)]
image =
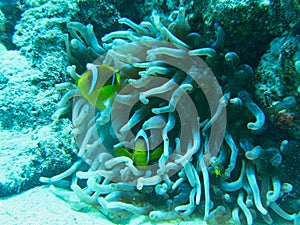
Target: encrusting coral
[(149, 119)]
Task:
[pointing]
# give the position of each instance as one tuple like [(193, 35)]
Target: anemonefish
[(95, 90), (141, 153), (140, 156)]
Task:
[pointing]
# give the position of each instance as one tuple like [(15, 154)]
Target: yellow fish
[(140, 156), (94, 90)]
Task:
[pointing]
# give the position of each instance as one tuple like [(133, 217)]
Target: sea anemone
[(149, 119)]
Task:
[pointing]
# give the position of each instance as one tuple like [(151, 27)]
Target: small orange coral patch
[(284, 121)]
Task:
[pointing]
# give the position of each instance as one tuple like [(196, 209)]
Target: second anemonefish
[(141, 154)]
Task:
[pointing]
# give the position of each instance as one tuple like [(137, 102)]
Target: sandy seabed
[(40, 206)]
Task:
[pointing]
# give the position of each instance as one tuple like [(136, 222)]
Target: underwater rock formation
[(39, 33), (29, 146), (27, 156), (247, 24), (278, 83)]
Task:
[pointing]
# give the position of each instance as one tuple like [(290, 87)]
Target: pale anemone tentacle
[(153, 70), (193, 149), (286, 187), (254, 153), (174, 99), (178, 182), (249, 198), (146, 65), (80, 111), (83, 196), (222, 103), (135, 118), (167, 35), (88, 35), (69, 95), (176, 53), (220, 34), (273, 195), (149, 26), (118, 34), (235, 216), (65, 86), (244, 208), (169, 126), (276, 208), (209, 52), (139, 83), (127, 99), (190, 174), (105, 114), (116, 57), (60, 111), (139, 29), (89, 137), (232, 59), (141, 182), (154, 122), (155, 20), (155, 91), (198, 186), (72, 71), (63, 175), (162, 89), (125, 206), (180, 26), (206, 185), (161, 189), (253, 184), (93, 68), (235, 185), (122, 159), (114, 44), (234, 152), (187, 208), (254, 109)]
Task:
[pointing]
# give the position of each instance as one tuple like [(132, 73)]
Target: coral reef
[(247, 23), (43, 25), (25, 94), (277, 83), (148, 118), (27, 156), (103, 15), (30, 144)]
